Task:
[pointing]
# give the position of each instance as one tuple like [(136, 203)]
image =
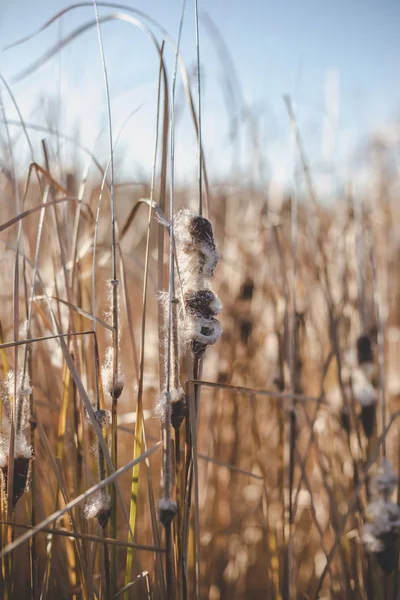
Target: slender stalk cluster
[(22, 449), (197, 259), (382, 532)]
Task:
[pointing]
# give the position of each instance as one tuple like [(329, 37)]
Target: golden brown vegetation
[(277, 477)]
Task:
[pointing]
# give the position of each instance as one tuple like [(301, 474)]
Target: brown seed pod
[(246, 327), (364, 349), (202, 303), (103, 516), (103, 417), (345, 420), (202, 333), (21, 469), (178, 412), (247, 290), (115, 390), (368, 419), (167, 510), (388, 558), (201, 231)]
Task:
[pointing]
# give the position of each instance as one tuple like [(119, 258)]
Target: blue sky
[(338, 60)]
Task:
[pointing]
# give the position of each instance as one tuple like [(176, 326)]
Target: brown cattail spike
[(202, 303), (246, 327), (178, 411), (364, 349), (103, 417), (247, 290), (201, 231), (21, 469), (167, 510), (388, 558), (103, 516), (368, 419), (115, 389)]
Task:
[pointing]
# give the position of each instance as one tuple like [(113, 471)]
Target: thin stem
[(114, 281), (167, 454), (199, 137)]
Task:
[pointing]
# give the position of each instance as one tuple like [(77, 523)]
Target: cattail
[(381, 533), (167, 510), (22, 458), (345, 419), (385, 481), (364, 349), (202, 303), (22, 449), (198, 255), (279, 381), (113, 386), (365, 394), (198, 258), (201, 333), (246, 327), (99, 507), (178, 407), (247, 290), (103, 417)]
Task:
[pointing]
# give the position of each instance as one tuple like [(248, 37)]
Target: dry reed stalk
[(139, 409)]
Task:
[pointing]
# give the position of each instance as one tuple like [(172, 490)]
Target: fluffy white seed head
[(206, 331), (21, 448), (197, 253), (98, 507), (177, 398), (363, 391), (113, 388), (371, 542), (202, 303), (384, 517), (103, 417), (385, 481)]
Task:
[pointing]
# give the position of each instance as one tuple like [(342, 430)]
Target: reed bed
[(200, 391)]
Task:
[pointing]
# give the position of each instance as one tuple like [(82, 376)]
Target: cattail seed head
[(363, 391), (113, 386), (345, 420), (195, 244), (382, 532), (202, 303), (22, 458), (246, 327), (202, 333), (99, 507), (385, 481), (103, 417), (364, 349), (200, 230), (368, 419), (178, 407), (279, 381), (116, 387), (167, 510), (247, 290)]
